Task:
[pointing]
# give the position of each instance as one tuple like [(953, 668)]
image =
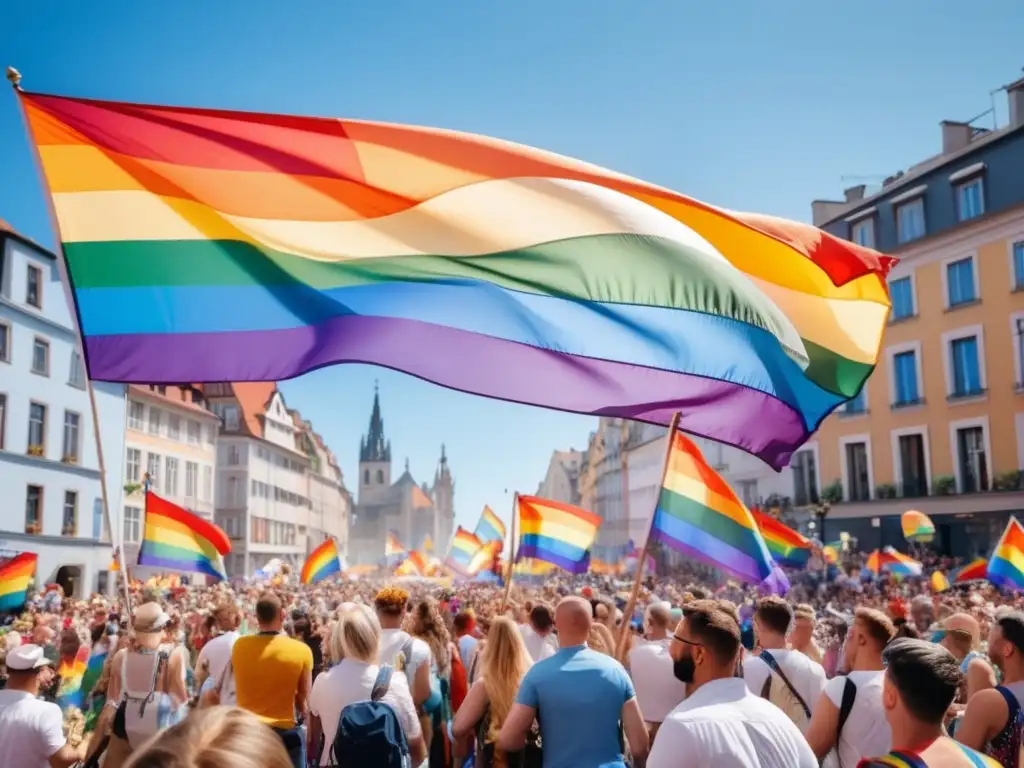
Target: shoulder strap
[(1011, 701), (382, 683), (224, 675), (773, 665), (977, 759), (845, 708)]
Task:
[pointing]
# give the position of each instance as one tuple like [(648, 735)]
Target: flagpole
[(511, 553), (14, 77), (627, 613)]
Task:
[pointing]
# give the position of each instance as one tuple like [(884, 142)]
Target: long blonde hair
[(427, 624), (505, 662), (601, 639)]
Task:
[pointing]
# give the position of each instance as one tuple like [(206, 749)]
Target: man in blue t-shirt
[(582, 700)]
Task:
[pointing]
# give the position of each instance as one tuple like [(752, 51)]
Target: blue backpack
[(369, 732)]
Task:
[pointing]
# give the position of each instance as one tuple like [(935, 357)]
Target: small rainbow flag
[(460, 554), (485, 557), (788, 547), (414, 565), (699, 515), (917, 526), (392, 546), (322, 562), (15, 575), (1006, 566), (178, 540), (973, 571), (888, 560), (490, 528), (71, 672), (556, 533)]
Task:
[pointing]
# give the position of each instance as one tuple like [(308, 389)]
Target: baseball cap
[(26, 657)]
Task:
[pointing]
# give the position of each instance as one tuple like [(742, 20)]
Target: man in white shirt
[(650, 666), (540, 641), (721, 724), (804, 678), (390, 605), (211, 666), (32, 731), (864, 732)]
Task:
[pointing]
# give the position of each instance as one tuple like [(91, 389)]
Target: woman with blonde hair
[(503, 664), (601, 639), (355, 646), (425, 623), (225, 737)]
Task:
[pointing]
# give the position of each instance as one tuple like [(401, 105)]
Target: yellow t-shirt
[(267, 670)]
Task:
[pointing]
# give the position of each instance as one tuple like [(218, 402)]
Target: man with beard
[(994, 720), (721, 724)]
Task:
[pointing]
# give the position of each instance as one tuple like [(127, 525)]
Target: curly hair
[(391, 600), (428, 625)]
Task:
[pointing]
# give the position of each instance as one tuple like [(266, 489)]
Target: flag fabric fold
[(490, 527), (973, 571), (212, 245), (699, 515), (178, 540), (787, 547), (462, 550), (555, 533)]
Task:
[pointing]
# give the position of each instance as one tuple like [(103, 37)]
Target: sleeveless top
[(901, 759), (1005, 745)]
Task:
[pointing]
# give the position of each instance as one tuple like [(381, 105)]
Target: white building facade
[(330, 502), (49, 456)]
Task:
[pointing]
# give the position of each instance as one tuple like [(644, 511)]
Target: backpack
[(780, 692), (370, 733), (143, 713)]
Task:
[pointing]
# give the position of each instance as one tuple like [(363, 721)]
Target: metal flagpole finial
[(14, 76)]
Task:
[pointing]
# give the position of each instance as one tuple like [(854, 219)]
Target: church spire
[(374, 447)]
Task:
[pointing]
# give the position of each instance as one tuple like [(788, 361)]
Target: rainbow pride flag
[(489, 527), (699, 515), (175, 539), (462, 550), (414, 565), (786, 546), (392, 546), (973, 571), (888, 560), (71, 671), (1006, 566), (322, 562), (556, 533), (485, 556), (212, 245), (15, 575)]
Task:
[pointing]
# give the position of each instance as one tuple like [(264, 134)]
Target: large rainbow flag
[(211, 245), (699, 515), (15, 574), (175, 539), (324, 561), (1006, 566), (556, 533)]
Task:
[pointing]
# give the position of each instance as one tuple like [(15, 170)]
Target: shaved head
[(659, 615), (962, 634), (573, 618)]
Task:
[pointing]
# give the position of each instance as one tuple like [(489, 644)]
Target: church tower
[(444, 501), (374, 458)]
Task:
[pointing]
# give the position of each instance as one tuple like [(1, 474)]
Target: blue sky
[(743, 103)]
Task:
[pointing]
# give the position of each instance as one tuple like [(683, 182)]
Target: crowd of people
[(848, 670)]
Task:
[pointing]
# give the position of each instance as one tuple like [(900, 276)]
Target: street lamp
[(821, 510)]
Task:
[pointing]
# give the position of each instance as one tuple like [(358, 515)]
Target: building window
[(966, 367), (34, 509), (910, 221), (173, 427), (76, 375), (233, 496), (913, 468), (69, 524), (135, 416), (171, 477), (191, 472), (3, 421), (211, 435), (154, 420), (972, 460), (132, 524), (193, 433), (857, 473), (863, 232), (380, 476), (34, 287), (901, 294), (232, 455), (859, 403), (72, 442), (5, 343), (41, 357), (153, 471), (133, 465), (231, 418), (1018, 269), (970, 199), (904, 368), (960, 282), (37, 429), (207, 483)]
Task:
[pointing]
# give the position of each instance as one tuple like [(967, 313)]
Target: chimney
[(1015, 93), (825, 210), (855, 194), (955, 136)]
